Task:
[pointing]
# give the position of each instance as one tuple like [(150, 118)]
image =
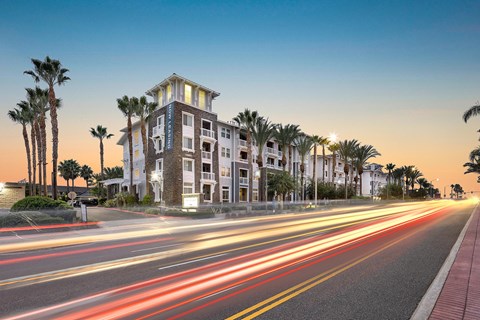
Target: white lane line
[(214, 294), (192, 261), (160, 247)]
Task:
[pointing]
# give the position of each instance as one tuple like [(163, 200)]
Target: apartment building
[(192, 152)]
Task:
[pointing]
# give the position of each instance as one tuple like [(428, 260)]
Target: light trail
[(177, 290)]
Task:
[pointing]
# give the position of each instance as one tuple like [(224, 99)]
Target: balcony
[(243, 180), (271, 151), (208, 133), (242, 143), (208, 176), (280, 154), (156, 176), (207, 156), (270, 165), (245, 160), (158, 131)]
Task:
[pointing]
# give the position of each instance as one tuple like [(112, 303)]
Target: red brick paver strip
[(460, 295)]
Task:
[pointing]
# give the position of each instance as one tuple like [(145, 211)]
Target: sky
[(394, 74)]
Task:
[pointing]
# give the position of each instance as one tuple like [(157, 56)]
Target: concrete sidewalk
[(455, 292)]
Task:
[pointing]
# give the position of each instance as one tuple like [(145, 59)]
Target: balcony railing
[(243, 180), (157, 131), (206, 155), (243, 160), (280, 153), (242, 143), (271, 151), (208, 133), (156, 175), (269, 165), (208, 176)]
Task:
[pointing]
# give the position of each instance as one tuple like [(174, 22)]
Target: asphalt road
[(350, 263)]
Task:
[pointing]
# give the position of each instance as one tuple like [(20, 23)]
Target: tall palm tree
[(22, 117), (397, 175), (69, 170), (38, 99), (285, 135), (128, 106), (423, 183), (323, 141), (100, 133), (389, 167), (64, 171), (245, 121), (28, 111), (471, 112), (407, 172), (262, 131), (362, 155), (347, 154), (114, 172), (316, 140), (143, 112), (52, 73), (304, 145), (333, 148), (86, 173)]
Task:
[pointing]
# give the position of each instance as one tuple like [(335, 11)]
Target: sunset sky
[(394, 74)]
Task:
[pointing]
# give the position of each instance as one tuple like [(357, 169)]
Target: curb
[(426, 305)]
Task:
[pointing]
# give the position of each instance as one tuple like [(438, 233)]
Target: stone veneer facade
[(11, 193)]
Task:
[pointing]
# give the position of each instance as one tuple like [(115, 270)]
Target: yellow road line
[(306, 285)]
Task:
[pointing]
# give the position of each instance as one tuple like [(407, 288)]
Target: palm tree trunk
[(315, 173), (143, 131), (43, 133), (101, 158), (73, 185), (323, 163), (38, 133), (250, 166), (32, 181), (53, 118), (29, 159), (361, 182), (130, 151), (334, 162), (302, 170)]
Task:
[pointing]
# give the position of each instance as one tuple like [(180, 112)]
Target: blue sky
[(379, 71)]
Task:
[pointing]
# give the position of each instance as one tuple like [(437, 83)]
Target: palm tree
[(347, 153), (407, 172), (362, 155), (22, 117), (262, 131), (389, 167), (414, 175), (304, 145), (397, 175), (333, 148), (114, 172), (316, 140), (86, 173), (285, 135), (453, 186), (143, 112), (100, 133), (473, 111), (29, 113), (127, 107), (38, 99), (245, 121), (52, 73), (423, 183), (323, 141), (64, 171)]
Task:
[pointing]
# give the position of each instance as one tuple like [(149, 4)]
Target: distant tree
[(304, 145), (471, 112), (347, 153), (362, 155), (281, 183), (262, 131), (87, 174), (100, 133), (128, 108)]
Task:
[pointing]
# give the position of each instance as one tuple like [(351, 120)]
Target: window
[(137, 173), (225, 152), (158, 145), (243, 194), (136, 154), (161, 120), (225, 133), (201, 99), (169, 92), (160, 97), (187, 187), (188, 165), (225, 172), (187, 120), (159, 165), (255, 195), (188, 94), (225, 194), (187, 143)]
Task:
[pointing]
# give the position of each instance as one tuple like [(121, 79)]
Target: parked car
[(88, 201)]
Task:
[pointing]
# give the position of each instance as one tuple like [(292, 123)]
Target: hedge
[(28, 218), (53, 208)]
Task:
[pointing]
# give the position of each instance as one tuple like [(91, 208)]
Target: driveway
[(108, 214)]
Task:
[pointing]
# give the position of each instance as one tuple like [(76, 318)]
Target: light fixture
[(333, 137), (155, 177)]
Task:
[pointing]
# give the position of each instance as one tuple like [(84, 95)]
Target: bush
[(147, 200), (28, 218), (125, 199), (38, 203), (155, 211), (112, 203)]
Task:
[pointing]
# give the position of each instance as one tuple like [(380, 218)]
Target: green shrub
[(147, 200), (153, 211), (38, 203), (125, 199), (101, 201), (28, 218), (111, 203), (194, 215)]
